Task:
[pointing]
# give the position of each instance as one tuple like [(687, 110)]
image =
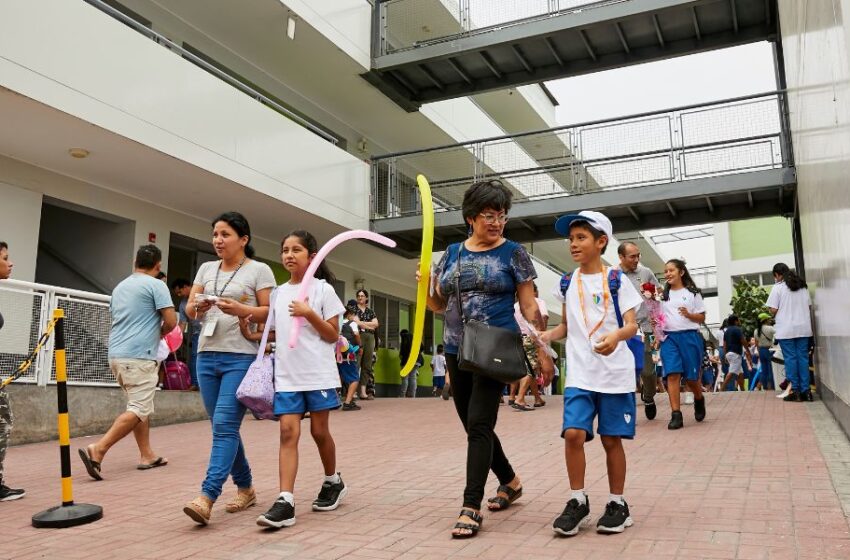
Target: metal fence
[(28, 307), (705, 140), (407, 24)]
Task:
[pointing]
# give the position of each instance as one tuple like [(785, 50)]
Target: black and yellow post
[(68, 514)]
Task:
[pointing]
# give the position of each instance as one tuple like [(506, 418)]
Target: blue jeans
[(220, 374), (193, 358), (408, 384), (795, 352), (766, 367)]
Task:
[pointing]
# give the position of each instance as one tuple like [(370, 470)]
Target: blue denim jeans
[(795, 352), (193, 357), (220, 374), (765, 356)]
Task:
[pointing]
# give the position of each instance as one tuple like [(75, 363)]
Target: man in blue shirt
[(142, 312), (734, 344)]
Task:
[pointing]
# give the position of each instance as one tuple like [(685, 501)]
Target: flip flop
[(160, 462), (92, 466)]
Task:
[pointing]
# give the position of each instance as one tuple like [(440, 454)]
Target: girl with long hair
[(790, 304), (306, 377), (683, 348)]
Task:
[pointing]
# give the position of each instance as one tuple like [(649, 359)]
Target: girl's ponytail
[(791, 278)]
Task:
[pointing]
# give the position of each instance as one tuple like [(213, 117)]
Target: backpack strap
[(615, 276), (565, 284)]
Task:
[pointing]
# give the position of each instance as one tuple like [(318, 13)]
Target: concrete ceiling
[(40, 135)]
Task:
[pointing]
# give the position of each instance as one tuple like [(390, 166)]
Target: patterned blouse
[(488, 282)]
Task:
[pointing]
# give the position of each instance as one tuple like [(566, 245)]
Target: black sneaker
[(699, 409), (676, 421), (615, 519), (351, 406), (574, 516), (330, 496), (806, 396), (281, 514), (793, 396), (650, 409), (8, 494)]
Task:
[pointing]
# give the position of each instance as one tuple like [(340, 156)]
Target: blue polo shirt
[(136, 321)]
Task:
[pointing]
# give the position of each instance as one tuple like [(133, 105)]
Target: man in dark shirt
[(6, 493), (733, 349)]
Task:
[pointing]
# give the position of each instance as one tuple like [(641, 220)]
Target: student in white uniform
[(306, 377), (682, 350), (789, 302)]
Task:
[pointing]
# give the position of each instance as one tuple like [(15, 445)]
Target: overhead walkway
[(430, 50), (713, 162)]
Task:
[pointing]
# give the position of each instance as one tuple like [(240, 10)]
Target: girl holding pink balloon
[(306, 376)]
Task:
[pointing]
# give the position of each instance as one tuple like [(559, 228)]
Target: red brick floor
[(749, 482)]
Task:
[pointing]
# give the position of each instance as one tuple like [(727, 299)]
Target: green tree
[(749, 300)]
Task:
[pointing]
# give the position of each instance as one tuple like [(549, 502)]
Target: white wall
[(20, 216), (346, 23), (816, 39), (55, 52)]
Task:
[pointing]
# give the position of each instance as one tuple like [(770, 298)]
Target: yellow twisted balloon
[(424, 272)]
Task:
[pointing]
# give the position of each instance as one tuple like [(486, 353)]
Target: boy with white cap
[(598, 316)]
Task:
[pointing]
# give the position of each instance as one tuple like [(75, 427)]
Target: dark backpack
[(615, 279), (348, 333)]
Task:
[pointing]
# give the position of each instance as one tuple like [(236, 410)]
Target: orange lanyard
[(606, 295)]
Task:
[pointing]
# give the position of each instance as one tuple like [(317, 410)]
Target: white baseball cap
[(597, 220)]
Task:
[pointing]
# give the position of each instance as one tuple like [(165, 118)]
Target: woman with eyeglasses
[(368, 323), (493, 270)]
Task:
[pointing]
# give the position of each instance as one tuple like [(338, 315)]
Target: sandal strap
[(472, 515), (467, 526)]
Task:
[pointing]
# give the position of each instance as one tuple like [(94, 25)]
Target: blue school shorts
[(299, 402), (681, 352), (348, 372), (439, 382), (616, 413)]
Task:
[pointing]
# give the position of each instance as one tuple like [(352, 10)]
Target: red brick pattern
[(750, 482)]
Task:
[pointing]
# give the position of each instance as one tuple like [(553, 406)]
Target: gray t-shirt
[(640, 276), (242, 286)]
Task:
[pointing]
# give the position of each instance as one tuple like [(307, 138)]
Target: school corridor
[(759, 479)]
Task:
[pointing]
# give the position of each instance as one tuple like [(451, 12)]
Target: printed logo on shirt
[(597, 298), (627, 418)]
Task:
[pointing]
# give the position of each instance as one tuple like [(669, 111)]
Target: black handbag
[(486, 350)]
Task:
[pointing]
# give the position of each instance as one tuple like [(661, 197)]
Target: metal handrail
[(779, 93), (35, 286), (243, 87), (465, 20)]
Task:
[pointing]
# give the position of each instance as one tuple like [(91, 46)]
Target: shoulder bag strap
[(457, 284), (269, 320)]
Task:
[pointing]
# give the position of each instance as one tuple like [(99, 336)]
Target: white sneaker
[(784, 393), (689, 398)]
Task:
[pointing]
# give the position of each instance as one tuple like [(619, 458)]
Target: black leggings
[(477, 401)]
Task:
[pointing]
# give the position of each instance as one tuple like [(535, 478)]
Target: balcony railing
[(706, 140), (407, 24)]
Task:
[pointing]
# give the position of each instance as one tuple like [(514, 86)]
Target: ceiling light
[(290, 27), (78, 153)]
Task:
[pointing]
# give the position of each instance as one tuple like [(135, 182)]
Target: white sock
[(580, 496), (333, 479), (288, 497), (618, 498)]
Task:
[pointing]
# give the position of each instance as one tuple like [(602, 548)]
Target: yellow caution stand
[(68, 514)]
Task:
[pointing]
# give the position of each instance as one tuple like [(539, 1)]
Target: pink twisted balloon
[(317, 260)]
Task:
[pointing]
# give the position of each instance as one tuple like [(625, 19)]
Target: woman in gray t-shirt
[(223, 291)]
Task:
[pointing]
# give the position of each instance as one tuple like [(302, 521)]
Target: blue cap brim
[(562, 224)]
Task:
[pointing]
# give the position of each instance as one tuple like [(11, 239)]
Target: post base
[(60, 517)]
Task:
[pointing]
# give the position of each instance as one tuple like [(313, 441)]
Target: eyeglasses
[(491, 219)]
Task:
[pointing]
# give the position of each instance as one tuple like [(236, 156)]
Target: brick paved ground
[(750, 482)]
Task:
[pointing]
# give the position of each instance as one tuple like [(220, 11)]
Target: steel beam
[(454, 64), (584, 40), (658, 30), (554, 51), (522, 58), (622, 37)]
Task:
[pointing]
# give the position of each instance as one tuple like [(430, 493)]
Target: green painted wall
[(281, 275), (387, 369), (762, 237)]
